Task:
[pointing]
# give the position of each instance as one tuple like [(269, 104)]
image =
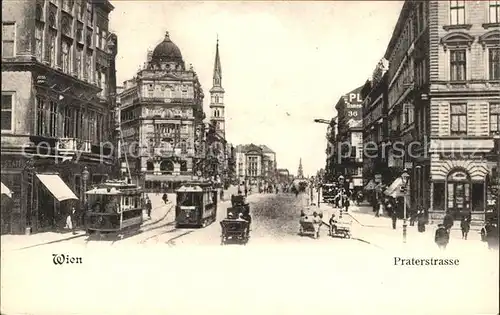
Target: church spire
[(300, 172), (217, 67)]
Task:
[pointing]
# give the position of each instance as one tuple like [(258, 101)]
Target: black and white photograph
[(250, 157)]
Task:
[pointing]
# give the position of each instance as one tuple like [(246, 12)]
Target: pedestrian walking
[(165, 198), (442, 236), (246, 192), (421, 221), (346, 204), (448, 220), (465, 226), (394, 217), (149, 207), (222, 194)]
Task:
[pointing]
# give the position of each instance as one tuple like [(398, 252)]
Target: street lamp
[(85, 178), (405, 177), (341, 190)]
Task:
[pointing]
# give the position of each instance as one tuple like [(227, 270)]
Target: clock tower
[(217, 97)]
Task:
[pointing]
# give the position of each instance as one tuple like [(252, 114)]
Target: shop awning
[(56, 186), (370, 185), (395, 189), (6, 191)]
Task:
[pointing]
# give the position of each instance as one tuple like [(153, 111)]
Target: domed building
[(161, 109)]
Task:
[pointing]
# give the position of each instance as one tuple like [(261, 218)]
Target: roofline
[(403, 15)]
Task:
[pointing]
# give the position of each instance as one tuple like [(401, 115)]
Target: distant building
[(255, 165)]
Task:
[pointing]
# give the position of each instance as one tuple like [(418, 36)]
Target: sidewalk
[(379, 231)]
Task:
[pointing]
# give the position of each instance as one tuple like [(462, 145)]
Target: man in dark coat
[(448, 220), (149, 206), (421, 221), (394, 216), (165, 198), (465, 226), (442, 236), (492, 235)]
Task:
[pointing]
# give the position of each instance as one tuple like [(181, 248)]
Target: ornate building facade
[(162, 126), (58, 85)]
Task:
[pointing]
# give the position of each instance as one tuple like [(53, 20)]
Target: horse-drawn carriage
[(329, 192), (236, 225)]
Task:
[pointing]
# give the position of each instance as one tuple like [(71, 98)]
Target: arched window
[(65, 26)]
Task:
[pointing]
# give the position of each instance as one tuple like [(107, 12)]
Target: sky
[(283, 63)]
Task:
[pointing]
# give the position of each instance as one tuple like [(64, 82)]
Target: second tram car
[(196, 205)]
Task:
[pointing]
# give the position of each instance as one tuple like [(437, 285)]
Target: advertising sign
[(354, 108)]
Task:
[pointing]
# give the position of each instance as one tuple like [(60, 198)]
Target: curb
[(52, 242)]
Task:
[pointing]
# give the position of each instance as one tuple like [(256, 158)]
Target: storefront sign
[(13, 164)]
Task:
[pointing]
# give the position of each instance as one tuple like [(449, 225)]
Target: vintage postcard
[(250, 157)]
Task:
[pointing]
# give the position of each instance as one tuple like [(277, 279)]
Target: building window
[(52, 47), (494, 11), (494, 118), (53, 119), (494, 63), (458, 65), (98, 37), (90, 13), (40, 116), (39, 12), (67, 122), (457, 12), (7, 108), (66, 26), (66, 56), (458, 117), (8, 39), (79, 68), (79, 33), (88, 71), (39, 41)]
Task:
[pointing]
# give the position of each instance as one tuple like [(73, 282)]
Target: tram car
[(114, 207), (196, 205)]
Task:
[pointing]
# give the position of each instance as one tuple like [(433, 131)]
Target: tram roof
[(113, 191), (190, 189)]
